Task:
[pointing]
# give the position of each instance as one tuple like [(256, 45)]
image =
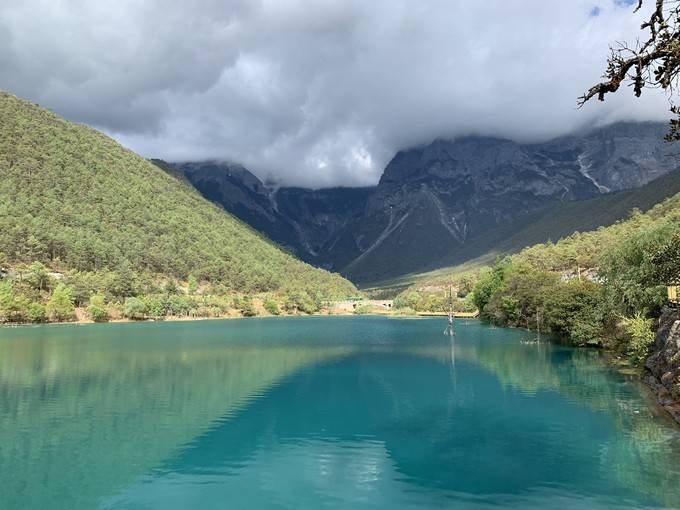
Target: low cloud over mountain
[(316, 93)]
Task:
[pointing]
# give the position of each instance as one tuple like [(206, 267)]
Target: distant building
[(674, 295)]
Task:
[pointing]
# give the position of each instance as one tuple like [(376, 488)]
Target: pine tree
[(60, 306), (192, 285)]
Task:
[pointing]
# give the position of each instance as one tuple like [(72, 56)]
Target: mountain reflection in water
[(321, 413)]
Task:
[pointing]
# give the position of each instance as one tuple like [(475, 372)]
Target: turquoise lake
[(315, 413)]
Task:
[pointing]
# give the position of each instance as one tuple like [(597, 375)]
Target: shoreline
[(174, 318)]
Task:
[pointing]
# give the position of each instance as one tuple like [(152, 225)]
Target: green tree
[(408, 299), (60, 305), (489, 283), (573, 311), (38, 277), (300, 301), (247, 307), (171, 288), (97, 308), (641, 336), (36, 312), (124, 282), (7, 302), (666, 261), (180, 305), (192, 285), (156, 306), (134, 308), (271, 306), (3, 264), (634, 268)]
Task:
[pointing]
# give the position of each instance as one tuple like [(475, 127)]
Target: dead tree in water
[(450, 329)]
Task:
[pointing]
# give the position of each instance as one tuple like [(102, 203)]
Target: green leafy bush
[(36, 312), (192, 285), (247, 307), (60, 305), (634, 269), (641, 336), (363, 309), (490, 281), (135, 308), (300, 301), (97, 309), (271, 306)]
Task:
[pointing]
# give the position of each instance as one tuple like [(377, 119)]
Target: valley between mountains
[(452, 201)]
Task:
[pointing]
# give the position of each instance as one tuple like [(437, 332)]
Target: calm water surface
[(321, 413)]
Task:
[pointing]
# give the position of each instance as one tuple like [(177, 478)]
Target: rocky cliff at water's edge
[(662, 369)]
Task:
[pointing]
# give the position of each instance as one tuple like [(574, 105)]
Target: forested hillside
[(75, 201)]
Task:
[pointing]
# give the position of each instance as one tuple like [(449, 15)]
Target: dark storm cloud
[(316, 92)]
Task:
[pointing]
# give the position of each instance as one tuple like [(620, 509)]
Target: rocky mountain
[(309, 223), (323, 220), (435, 201)]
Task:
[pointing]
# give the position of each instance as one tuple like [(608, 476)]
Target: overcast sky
[(316, 92)]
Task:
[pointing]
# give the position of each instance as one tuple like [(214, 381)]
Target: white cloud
[(316, 92)]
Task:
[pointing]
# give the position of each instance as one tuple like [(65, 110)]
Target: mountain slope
[(436, 201), (449, 201), (603, 217), (321, 218), (75, 199), (242, 194), (553, 223), (307, 222)]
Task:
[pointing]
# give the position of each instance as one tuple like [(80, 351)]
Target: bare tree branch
[(654, 62)]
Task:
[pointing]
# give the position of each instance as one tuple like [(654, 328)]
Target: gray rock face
[(662, 369), (433, 201), (321, 219), (306, 222), (233, 186), (459, 190), (625, 155)]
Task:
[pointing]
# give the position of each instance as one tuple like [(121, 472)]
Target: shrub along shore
[(604, 288), (32, 293)]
